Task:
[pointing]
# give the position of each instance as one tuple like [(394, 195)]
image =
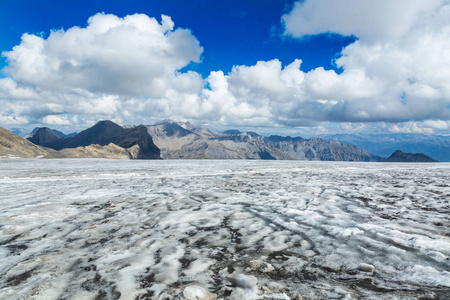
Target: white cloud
[(436, 124), (410, 127), (13, 120), (9, 89), (350, 85), (108, 69), (353, 127), (133, 56), (128, 70), (398, 70), (367, 19), (55, 120)]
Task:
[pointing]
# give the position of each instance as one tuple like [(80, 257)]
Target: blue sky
[(295, 67), (232, 32)]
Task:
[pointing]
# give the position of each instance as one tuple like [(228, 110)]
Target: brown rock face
[(12, 145)]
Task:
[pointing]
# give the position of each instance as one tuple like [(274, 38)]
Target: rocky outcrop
[(399, 156), (135, 140), (96, 151)]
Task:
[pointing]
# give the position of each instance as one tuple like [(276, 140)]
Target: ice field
[(133, 229)]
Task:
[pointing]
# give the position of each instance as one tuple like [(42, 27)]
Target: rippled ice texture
[(108, 229)]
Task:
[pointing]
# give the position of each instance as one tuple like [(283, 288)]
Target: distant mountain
[(57, 133), (232, 131), (435, 146), (45, 137), (179, 140), (184, 140), (399, 156), (237, 132), (12, 145), (22, 132), (103, 133), (319, 149)]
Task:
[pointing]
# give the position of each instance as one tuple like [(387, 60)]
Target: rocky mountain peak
[(103, 133), (44, 136)]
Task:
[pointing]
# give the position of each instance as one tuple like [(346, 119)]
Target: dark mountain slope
[(399, 156), (45, 137), (104, 133)]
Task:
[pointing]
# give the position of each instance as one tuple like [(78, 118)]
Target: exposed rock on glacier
[(195, 292), (366, 267)]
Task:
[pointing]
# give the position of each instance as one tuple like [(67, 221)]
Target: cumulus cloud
[(410, 127), (56, 120), (129, 70), (366, 19), (436, 124), (398, 69), (134, 56), (100, 70)]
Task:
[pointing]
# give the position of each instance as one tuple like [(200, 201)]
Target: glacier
[(117, 229)]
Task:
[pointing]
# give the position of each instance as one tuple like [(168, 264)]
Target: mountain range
[(435, 146), (136, 140), (183, 140)]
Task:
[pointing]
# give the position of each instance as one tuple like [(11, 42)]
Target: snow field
[(83, 229)]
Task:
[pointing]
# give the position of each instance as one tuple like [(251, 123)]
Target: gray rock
[(179, 140)]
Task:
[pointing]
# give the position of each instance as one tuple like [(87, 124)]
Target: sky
[(276, 67)]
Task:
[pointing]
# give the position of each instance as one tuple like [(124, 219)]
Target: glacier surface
[(116, 229)]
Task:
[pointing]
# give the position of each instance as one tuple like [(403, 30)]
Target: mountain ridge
[(178, 140), (183, 140), (58, 133), (434, 146), (12, 145), (103, 133)]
